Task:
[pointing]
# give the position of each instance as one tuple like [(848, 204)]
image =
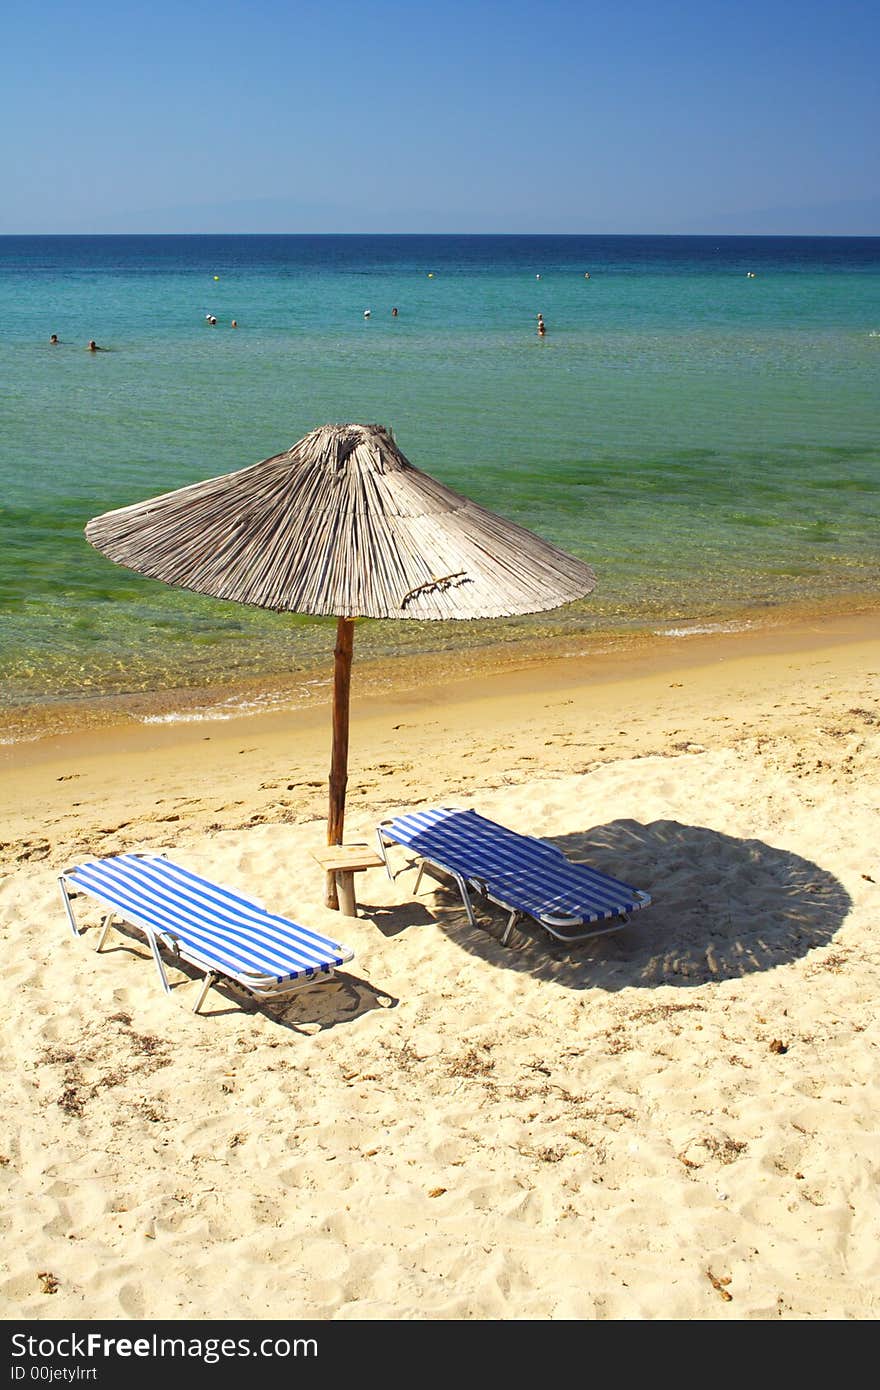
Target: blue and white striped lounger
[(219, 931), (525, 876)]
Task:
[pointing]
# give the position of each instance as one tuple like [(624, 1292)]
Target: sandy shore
[(678, 1120)]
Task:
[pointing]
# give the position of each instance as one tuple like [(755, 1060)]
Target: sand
[(675, 1121)]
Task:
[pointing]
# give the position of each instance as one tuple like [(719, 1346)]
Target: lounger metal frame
[(553, 924), (263, 987)]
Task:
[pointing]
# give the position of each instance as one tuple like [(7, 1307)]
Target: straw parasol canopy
[(341, 525)]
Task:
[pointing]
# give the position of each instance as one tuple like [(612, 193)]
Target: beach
[(677, 1120)]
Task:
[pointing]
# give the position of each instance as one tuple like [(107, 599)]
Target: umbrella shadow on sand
[(723, 908), (393, 920)]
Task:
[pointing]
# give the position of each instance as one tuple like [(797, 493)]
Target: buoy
[(430, 274), (216, 277), (366, 313)]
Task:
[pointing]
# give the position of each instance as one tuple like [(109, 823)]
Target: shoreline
[(230, 699), (140, 768)]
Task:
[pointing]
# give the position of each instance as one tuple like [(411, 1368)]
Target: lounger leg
[(509, 928), (209, 980), (462, 888), (68, 909), (154, 947), (418, 877), (380, 845), (105, 927)]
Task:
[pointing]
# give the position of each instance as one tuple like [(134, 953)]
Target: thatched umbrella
[(341, 525)]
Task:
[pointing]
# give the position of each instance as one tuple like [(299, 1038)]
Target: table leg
[(345, 888)]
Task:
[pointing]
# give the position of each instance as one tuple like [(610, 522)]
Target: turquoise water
[(706, 440)]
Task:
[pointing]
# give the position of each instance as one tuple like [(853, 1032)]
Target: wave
[(704, 631)]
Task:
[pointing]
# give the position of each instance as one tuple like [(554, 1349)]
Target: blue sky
[(568, 116)]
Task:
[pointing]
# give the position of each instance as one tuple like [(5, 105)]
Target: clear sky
[(494, 115)]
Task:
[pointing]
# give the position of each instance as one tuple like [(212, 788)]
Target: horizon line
[(671, 236)]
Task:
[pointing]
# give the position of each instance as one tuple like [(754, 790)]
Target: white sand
[(458, 1129)]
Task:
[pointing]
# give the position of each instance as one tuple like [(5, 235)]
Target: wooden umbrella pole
[(339, 760)]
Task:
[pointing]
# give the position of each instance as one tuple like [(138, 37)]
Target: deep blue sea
[(701, 422)]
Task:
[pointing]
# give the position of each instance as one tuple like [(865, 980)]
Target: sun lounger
[(525, 876), (227, 936)]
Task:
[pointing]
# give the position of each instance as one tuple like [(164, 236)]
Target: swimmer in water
[(53, 339), (234, 323), (93, 346), (394, 312), (542, 328)]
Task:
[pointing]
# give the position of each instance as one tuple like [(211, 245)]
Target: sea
[(700, 422)]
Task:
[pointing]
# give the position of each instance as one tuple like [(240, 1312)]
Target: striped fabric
[(518, 872), (211, 926)]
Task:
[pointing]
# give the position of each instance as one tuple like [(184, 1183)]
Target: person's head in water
[(93, 346), (53, 338), (394, 312)]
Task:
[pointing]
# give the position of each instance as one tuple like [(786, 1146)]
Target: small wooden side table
[(343, 862)]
